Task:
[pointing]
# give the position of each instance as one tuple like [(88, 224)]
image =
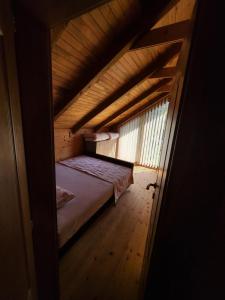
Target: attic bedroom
[(105, 181), (114, 72)]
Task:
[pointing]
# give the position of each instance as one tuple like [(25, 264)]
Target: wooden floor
[(106, 262)]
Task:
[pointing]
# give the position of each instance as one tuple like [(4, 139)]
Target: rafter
[(167, 72), (141, 109), (157, 64), (118, 48), (135, 101), (163, 35), (165, 88)]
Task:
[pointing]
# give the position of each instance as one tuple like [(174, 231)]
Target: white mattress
[(90, 194)]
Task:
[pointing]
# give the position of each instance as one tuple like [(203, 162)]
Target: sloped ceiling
[(80, 46)]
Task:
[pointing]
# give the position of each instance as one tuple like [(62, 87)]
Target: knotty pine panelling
[(68, 145)]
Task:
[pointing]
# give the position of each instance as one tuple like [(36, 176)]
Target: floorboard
[(106, 262)]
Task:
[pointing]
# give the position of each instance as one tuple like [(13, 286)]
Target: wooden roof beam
[(135, 101), (118, 48), (165, 88), (141, 109), (157, 64), (163, 35), (167, 72)]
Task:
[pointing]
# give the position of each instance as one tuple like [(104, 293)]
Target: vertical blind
[(107, 148), (141, 138)]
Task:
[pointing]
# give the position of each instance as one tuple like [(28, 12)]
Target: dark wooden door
[(188, 256), (168, 142)]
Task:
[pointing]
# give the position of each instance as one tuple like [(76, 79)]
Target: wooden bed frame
[(90, 150), (85, 226)]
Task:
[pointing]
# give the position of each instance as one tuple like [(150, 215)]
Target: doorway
[(44, 133)]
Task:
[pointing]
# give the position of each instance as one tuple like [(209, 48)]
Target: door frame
[(43, 106), (174, 112), (33, 53)]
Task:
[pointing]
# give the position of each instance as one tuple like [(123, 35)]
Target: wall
[(15, 209), (13, 257), (68, 145)]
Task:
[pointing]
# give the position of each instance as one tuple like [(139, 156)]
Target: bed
[(86, 177)]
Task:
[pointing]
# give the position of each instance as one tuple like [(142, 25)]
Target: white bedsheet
[(121, 177), (91, 193)]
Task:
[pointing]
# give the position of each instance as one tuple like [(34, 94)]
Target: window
[(141, 138)]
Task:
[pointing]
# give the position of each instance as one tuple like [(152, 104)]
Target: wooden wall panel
[(68, 145)]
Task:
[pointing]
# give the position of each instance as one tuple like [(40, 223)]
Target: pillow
[(63, 196), (96, 137)]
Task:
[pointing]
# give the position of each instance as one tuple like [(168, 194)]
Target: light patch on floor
[(106, 262), (139, 169)]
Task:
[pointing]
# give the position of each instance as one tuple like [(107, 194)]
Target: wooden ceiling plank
[(136, 100), (157, 64), (120, 46), (163, 35), (141, 109)]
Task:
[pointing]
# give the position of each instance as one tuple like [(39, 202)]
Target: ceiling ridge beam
[(141, 109), (157, 64), (171, 33), (118, 48), (136, 100)]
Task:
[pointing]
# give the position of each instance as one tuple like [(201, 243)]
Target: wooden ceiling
[(103, 71)]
